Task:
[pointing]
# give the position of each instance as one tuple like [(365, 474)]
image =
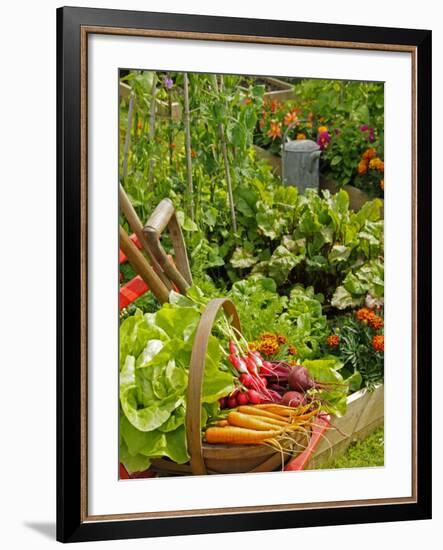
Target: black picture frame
[(71, 523)]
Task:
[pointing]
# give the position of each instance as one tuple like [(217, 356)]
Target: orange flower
[(290, 118), (364, 314), (322, 129), (376, 322), (333, 340), (268, 347), (275, 130), (308, 125), (382, 184), (268, 336), (292, 350), (193, 153), (282, 339), (139, 125), (377, 164), (247, 101), (362, 167), (369, 154), (301, 136), (378, 343)]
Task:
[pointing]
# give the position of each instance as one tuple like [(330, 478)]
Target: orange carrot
[(275, 409), (249, 421), (248, 409), (222, 423), (238, 436)]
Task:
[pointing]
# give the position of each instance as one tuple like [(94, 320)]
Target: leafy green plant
[(360, 344), (155, 352)]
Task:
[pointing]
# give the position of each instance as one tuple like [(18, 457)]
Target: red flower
[(275, 105)]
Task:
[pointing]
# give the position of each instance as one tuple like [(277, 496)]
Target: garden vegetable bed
[(304, 270), (357, 197)]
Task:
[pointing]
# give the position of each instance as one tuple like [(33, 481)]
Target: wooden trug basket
[(218, 459)]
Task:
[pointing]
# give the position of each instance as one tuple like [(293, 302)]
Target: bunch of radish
[(253, 384), (262, 381)]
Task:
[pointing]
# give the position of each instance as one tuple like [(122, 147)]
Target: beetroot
[(293, 399), (299, 379), (231, 402)]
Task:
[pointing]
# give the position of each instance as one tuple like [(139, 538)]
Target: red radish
[(251, 365), (238, 363), (247, 380), (231, 402), (242, 399), (264, 381), (222, 402), (293, 399), (233, 348), (257, 358), (254, 397), (234, 392)]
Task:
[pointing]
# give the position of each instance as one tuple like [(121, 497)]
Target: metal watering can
[(300, 162)]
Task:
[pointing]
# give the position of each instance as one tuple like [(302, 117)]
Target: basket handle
[(195, 380)]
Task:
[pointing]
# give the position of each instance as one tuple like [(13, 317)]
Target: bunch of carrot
[(262, 423)]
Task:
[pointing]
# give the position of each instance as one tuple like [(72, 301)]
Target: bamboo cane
[(127, 137), (224, 147), (152, 127), (188, 145), (170, 120)]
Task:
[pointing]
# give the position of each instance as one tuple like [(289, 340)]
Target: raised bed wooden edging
[(284, 92), (365, 413)]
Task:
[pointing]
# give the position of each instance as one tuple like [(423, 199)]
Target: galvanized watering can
[(300, 163)]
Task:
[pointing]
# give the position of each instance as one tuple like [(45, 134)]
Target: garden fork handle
[(165, 216)]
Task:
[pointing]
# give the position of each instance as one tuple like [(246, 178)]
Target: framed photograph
[(223, 262)]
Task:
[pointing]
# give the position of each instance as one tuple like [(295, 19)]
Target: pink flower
[(364, 128), (323, 140)]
